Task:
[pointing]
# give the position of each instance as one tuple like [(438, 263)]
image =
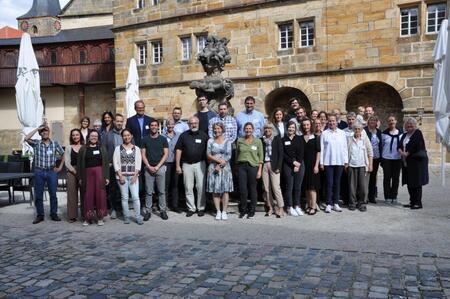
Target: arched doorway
[(381, 96), (280, 98)]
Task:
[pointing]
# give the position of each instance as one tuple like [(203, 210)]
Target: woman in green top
[(249, 153)]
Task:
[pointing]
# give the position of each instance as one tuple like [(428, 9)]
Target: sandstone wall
[(357, 49)]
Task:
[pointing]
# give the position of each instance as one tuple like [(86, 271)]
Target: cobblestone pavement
[(388, 252), (76, 264)]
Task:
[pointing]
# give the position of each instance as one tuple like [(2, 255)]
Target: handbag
[(420, 155)]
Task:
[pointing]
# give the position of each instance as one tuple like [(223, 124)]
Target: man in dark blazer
[(139, 124)]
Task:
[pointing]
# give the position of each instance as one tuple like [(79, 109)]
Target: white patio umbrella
[(28, 91), (132, 88), (440, 97)]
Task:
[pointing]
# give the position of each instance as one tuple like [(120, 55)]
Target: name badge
[(146, 127), (49, 152), (287, 143), (254, 147), (96, 152), (198, 141), (129, 152)]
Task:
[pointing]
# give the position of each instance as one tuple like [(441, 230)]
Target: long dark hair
[(98, 136), (103, 118), (71, 139)]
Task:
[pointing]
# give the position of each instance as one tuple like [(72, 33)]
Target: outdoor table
[(10, 176)]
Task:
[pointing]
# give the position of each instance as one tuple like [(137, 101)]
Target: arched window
[(34, 30)]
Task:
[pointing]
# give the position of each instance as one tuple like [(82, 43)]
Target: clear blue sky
[(11, 9)]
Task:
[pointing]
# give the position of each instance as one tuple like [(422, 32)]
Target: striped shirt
[(45, 155)]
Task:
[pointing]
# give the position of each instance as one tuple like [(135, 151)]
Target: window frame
[(308, 39), (142, 59), (189, 48), (140, 4), (157, 47), (285, 32), (155, 2), (201, 37), (410, 8), (437, 24)]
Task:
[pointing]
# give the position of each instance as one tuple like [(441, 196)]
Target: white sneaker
[(113, 214), (337, 208), (224, 216), (85, 223), (328, 209), (292, 212), (100, 223), (218, 215), (299, 211)]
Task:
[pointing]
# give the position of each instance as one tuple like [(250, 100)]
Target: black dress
[(311, 181)]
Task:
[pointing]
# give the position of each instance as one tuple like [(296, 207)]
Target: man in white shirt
[(180, 126)]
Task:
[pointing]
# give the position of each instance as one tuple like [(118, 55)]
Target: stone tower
[(42, 19)]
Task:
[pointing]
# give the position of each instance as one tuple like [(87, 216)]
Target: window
[(435, 15), (111, 56), (53, 57), (307, 34), (186, 48), (201, 43), (82, 56), (157, 52), (142, 54), (409, 20), (155, 2), (34, 30), (140, 4), (286, 37)]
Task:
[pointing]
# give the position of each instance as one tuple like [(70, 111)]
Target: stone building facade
[(331, 54)]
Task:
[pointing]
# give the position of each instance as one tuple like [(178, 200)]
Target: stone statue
[(213, 58)]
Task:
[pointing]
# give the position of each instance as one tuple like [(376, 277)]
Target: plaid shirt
[(45, 156), (228, 122)]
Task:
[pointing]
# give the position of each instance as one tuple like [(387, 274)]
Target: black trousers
[(172, 185), (415, 196), (345, 193), (247, 187), (293, 185), (391, 178), (333, 174), (113, 192), (372, 194)]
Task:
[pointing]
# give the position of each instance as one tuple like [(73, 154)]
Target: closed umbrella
[(440, 76), (28, 90), (132, 88), (440, 96)]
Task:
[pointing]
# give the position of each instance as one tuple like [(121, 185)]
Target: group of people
[(305, 162)]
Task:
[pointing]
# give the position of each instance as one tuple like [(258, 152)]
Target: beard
[(194, 129)]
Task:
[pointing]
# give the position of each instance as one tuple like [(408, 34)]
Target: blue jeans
[(41, 177), (134, 190)]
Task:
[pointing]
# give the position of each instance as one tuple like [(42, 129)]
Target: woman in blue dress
[(220, 179)]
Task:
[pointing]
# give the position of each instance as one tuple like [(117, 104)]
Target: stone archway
[(381, 96), (280, 98)]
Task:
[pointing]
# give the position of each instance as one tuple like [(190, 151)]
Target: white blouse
[(334, 149)]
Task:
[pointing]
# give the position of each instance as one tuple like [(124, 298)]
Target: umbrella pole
[(442, 165)]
